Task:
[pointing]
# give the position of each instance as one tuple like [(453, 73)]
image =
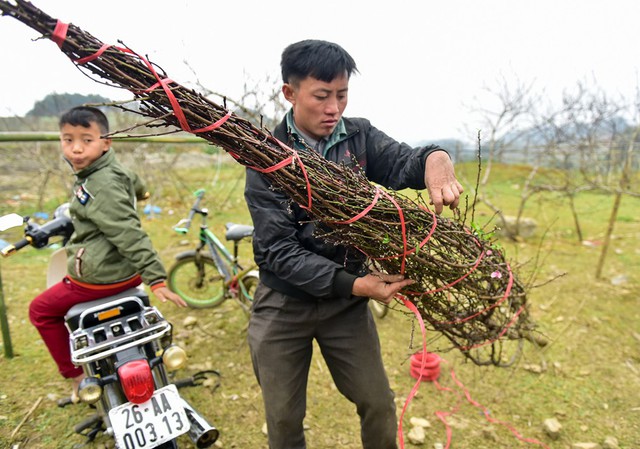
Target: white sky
[(422, 63)]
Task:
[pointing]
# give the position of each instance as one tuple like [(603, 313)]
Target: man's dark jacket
[(291, 259)]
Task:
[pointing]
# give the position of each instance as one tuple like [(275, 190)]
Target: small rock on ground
[(586, 446), (416, 435), (552, 427), (610, 443)]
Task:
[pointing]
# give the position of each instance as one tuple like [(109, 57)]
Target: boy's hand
[(164, 295)]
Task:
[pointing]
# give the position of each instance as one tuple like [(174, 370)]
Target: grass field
[(587, 376)]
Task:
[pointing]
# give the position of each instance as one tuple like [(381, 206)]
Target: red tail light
[(136, 380)]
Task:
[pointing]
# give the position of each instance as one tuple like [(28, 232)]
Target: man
[(313, 290)]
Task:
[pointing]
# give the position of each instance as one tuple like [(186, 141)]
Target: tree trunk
[(624, 182)]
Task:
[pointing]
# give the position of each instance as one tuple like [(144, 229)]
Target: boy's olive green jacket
[(108, 244)]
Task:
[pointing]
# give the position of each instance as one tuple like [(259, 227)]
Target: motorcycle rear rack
[(103, 340)]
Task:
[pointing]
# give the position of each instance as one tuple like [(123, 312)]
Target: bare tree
[(624, 185), (576, 140), (507, 122), (260, 102)]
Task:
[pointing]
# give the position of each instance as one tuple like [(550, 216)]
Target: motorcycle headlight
[(90, 390), (174, 357), (62, 210)]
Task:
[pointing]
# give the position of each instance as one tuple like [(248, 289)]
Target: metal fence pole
[(4, 323)]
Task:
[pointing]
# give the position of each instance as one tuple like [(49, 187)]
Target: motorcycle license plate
[(147, 425)]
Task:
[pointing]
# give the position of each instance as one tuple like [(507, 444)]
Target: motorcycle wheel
[(379, 310), (248, 286), (197, 281)]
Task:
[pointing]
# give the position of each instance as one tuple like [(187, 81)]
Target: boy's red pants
[(48, 309)]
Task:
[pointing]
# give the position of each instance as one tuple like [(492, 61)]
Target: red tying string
[(215, 125), (489, 418), (452, 283), (93, 56), (412, 250), (411, 306), (59, 35), (426, 366), (290, 160), (175, 105), (403, 227), (363, 213)]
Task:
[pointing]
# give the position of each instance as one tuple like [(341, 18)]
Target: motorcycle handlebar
[(11, 249), (38, 236), (61, 226)]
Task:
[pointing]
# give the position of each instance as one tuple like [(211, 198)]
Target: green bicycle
[(210, 274)]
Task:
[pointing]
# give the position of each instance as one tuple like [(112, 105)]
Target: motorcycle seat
[(73, 315)]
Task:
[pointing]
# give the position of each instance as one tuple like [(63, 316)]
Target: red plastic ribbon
[(426, 366), (406, 253), (96, 55), (283, 163), (60, 33), (364, 212), (411, 306)]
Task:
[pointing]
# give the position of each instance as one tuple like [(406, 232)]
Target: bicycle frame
[(218, 251), (236, 282)]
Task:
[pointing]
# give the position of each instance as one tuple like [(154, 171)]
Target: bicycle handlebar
[(186, 222)]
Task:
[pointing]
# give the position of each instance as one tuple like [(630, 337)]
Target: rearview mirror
[(10, 221)]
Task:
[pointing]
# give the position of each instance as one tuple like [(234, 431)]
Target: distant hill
[(522, 145), (56, 104), (458, 149)]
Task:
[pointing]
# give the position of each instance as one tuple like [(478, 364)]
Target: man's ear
[(289, 93)]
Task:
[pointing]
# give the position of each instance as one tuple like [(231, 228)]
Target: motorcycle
[(124, 346)]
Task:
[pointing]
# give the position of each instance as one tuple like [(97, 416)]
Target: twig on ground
[(26, 417)]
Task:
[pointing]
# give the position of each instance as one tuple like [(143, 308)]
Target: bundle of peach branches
[(464, 289)]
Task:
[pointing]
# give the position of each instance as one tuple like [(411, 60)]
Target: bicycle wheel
[(197, 281), (248, 285), (378, 309)]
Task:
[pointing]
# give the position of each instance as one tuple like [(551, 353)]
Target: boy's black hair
[(84, 116), (321, 60)]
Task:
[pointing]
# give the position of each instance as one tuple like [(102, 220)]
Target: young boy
[(109, 252)]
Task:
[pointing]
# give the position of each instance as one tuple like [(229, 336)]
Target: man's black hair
[(321, 60), (84, 116)]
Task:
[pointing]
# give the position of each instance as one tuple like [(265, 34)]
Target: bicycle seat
[(72, 318), (237, 232)]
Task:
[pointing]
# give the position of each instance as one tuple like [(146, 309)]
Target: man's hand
[(164, 295), (440, 179), (379, 286)]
